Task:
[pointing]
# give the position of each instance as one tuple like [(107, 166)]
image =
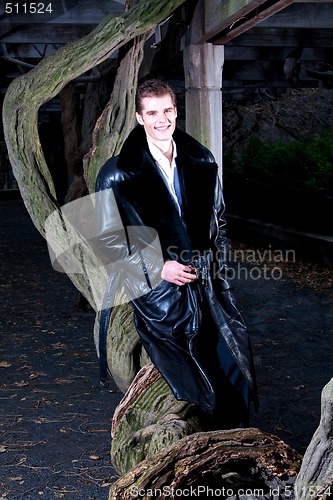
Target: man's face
[(158, 117)]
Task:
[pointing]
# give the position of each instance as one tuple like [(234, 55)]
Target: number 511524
[(28, 8)]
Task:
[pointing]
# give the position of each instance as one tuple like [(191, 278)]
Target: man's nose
[(162, 118)]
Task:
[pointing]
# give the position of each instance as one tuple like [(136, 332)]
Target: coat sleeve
[(135, 248), (131, 255)]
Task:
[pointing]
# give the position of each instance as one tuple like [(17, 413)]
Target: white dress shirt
[(166, 168)]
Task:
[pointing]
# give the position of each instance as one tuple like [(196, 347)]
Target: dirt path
[(55, 418)]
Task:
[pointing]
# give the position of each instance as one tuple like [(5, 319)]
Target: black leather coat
[(194, 334)]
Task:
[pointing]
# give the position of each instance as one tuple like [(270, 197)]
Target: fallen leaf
[(21, 461), (105, 485), (41, 420), (63, 381), (5, 364), (58, 345), (23, 383)]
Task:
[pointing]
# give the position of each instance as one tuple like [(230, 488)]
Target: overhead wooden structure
[(249, 48), (267, 43)]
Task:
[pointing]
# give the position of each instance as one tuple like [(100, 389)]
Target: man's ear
[(139, 118)]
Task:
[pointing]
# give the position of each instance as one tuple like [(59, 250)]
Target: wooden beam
[(232, 53), (264, 71), (283, 37), (296, 16), (246, 22), (245, 85), (215, 20), (299, 15)]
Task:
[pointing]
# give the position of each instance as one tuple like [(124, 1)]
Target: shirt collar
[(157, 153)]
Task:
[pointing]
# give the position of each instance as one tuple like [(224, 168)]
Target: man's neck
[(166, 147), (169, 152)]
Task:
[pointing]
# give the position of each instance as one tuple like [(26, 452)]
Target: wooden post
[(203, 65)]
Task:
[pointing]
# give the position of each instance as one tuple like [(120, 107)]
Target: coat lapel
[(198, 180), (148, 196), (150, 201)]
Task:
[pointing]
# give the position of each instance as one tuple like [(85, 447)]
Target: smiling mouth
[(162, 129)]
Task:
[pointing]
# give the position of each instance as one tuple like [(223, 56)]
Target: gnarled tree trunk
[(315, 479), (236, 463), (28, 92), (148, 419)]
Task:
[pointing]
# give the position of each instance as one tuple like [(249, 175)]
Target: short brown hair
[(153, 88)]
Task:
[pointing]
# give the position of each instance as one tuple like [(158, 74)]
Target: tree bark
[(96, 95), (125, 354), (118, 117), (315, 479), (219, 464), (70, 127), (148, 419)]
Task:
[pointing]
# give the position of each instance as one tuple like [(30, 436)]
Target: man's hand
[(177, 273)]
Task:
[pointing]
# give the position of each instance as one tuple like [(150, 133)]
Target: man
[(188, 323)]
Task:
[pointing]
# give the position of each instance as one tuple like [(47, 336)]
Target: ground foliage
[(295, 166), (299, 114), (278, 159)]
